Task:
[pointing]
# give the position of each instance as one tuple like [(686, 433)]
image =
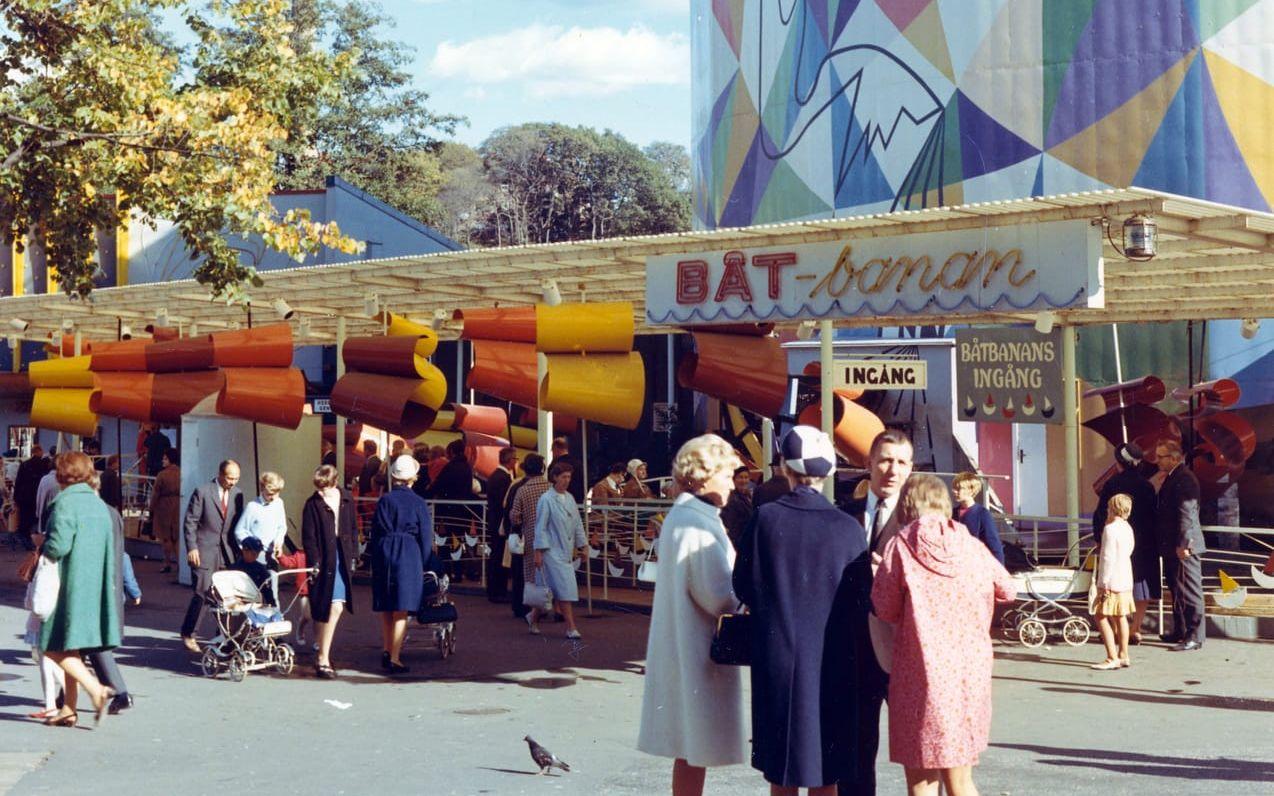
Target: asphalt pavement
[(1186, 723)]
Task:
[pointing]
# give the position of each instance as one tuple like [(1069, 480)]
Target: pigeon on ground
[(543, 758)]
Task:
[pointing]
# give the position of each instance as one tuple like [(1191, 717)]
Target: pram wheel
[(451, 640), (238, 667), (284, 659), (210, 663), (444, 644), (1076, 631), (1032, 633)]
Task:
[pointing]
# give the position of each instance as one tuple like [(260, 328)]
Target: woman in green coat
[(86, 618)]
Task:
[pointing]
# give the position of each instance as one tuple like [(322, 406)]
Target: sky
[(617, 64)]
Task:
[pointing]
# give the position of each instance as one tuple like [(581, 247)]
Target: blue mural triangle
[(1037, 189), (985, 144), (1195, 125)]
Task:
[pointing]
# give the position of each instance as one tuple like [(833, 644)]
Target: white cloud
[(553, 61)]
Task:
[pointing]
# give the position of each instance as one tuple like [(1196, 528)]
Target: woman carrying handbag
[(692, 708)]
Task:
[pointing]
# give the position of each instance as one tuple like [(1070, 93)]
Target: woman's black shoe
[(398, 668), (324, 672), (384, 661)]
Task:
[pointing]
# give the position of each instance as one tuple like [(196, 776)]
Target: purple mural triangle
[(1118, 55), (844, 10), (985, 145)]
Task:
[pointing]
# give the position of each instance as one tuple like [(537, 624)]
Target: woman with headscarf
[(636, 488), (797, 573), (329, 535), (401, 544)]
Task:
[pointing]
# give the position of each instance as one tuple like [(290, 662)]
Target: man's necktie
[(877, 525)]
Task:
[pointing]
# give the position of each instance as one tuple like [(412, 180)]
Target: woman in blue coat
[(798, 572), (401, 543)]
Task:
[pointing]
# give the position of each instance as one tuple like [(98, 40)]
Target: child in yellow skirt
[(1114, 584)]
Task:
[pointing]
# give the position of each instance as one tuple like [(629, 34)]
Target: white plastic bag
[(537, 595), (45, 585), (515, 545)]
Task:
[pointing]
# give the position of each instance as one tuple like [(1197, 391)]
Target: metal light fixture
[(161, 317), (1140, 237), (1249, 327), (1044, 321), (371, 305), (550, 292), (125, 332), (303, 328), (14, 342), (806, 330), (440, 317), (68, 325), (282, 309), (19, 324)]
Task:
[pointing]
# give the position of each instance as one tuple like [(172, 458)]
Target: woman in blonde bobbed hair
[(692, 709)]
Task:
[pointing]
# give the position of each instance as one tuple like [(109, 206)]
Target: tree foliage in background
[(374, 129), (550, 182), (94, 102)]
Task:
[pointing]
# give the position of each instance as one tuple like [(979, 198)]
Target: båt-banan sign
[(1009, 375), (1015, 269)]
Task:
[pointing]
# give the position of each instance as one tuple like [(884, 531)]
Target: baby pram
[(438, 614), (249, 627), (1040, 592)]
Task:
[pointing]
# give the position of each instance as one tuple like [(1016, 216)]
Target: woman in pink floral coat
[(939, 585)]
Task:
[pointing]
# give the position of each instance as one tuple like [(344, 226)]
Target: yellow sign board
[(880, 374)]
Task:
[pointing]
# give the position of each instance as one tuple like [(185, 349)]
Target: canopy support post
[(825, 394), (1070, 413), (340, 419), (544, 420)]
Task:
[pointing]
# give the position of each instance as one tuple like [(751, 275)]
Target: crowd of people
[(886, 596)]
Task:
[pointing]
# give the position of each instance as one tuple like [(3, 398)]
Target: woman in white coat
[(692, 708)]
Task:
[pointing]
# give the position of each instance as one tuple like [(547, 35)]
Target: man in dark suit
[(497, 488), (1181, 543), (737, 512), (213, 511), (561, 450), (25, 485), (772, 489), (889, 467)]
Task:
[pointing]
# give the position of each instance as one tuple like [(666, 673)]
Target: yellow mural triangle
[(927, 35), (1112, 148), (1228, 584), (1245, 100), (743, 124)]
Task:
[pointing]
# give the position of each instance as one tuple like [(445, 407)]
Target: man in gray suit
[(211, 516), (1181, 543)]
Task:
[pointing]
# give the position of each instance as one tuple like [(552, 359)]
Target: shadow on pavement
[(1172, 697), (1221, 768)]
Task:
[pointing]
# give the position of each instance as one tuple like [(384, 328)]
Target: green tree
[(554, 183), (96, 101), (374, 129)]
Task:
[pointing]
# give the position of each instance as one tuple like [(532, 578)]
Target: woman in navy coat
[(796, 572), (401, 543), (330, 538)]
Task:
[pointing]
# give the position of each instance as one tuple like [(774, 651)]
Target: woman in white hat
[(400, 545), (635, 488)]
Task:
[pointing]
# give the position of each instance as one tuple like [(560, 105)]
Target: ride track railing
[(1240, 553), (621, 537)]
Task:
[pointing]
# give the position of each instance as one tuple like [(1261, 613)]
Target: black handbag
[(732, 643), (437, 614)]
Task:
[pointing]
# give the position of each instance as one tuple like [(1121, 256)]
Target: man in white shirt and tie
[(889, 467)]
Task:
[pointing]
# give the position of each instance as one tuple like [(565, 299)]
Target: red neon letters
[(693, 279)]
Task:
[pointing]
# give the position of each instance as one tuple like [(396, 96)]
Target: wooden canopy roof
[(1214, 262)]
